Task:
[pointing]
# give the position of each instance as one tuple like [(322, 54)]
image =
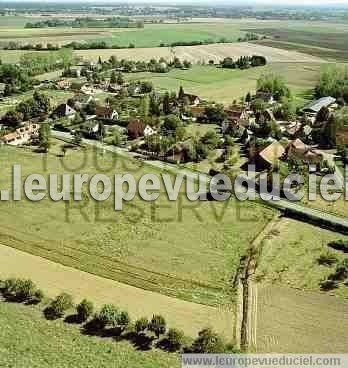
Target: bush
[(84, 310), (157, 325), (107, 316), (208, 342), (59, 306), (19, 290), (175, 339), (141, 325)]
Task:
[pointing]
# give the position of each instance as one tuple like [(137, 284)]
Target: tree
[(91, 108), (180, 133), (44, 137), (274, 85), (19, 290), (248, 97), (210, 139), (166, 104), (171, 122), (61, 304), (157, 325), (186, 64), (123, 320), (113, 78), (228, 63), (141, 325), (12, 118), (181, 94), (258, 105), (84, 310), (175, 339), (107, 316), (208, 342), (329, 132), (146, 87), (215, 113), (154, 106), (120, 79), (323, 115), (144, 106)]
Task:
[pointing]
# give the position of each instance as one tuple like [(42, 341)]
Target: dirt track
[(54, 278), (204, 52)]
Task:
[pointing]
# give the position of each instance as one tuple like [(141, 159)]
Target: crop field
[(322, 39), (28, 340), (290, 256), (201, 53), (294, 321), (182, 249), (224, 85)]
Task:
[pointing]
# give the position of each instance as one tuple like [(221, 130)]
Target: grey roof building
[(315, 106)]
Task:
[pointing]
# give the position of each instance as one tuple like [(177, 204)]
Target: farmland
[(294, 321), (54, 279), (290, 257), (177, 250), (30, 341), (291, 312), (223, 85)]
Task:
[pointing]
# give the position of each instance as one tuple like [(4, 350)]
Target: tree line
[(244, 62), (113, 321), (87, 22)]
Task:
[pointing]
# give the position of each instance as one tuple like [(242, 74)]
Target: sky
[(206, 2)]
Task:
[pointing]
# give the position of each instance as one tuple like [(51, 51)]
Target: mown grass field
[(296, 321), (290, 257), (182, 249), (28, 340)]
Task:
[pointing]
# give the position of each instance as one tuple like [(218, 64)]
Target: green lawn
[(183, 249), (28, 340)]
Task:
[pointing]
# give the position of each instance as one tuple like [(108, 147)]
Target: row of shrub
[(110, 321)]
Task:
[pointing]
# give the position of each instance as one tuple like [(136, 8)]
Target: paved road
[(292, 209)]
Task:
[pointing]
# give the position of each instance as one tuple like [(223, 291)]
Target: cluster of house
[(22, 135), (267, 154)]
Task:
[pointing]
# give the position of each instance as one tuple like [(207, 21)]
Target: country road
[(296, 210)]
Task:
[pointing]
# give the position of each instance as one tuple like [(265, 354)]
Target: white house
[(21, 135)]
